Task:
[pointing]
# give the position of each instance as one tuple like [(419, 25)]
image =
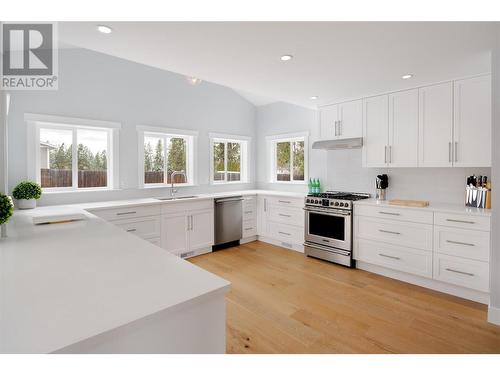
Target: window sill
[(163, 186), (228, 183), (289, 182), (49, 192)]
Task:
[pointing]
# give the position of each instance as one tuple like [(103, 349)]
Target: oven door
[(328, 227)]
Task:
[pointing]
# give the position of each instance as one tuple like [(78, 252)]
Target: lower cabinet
[(174, 234), (468, 273)]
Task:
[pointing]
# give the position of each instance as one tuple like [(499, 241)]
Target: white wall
[(102, 87), (3, 143), (283, 118)]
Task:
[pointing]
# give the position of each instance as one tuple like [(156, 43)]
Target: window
[(164, 153), (229, 159), (288, 158), (72, 154)]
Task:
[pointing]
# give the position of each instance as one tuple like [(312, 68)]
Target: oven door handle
[(327, 248), (328, 212)]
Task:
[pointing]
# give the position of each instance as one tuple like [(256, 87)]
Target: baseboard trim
[(494, 315), (248, 239), (287, 245), (439, 286)]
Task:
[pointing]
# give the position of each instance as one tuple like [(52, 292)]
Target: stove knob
[(336, 203), (341, 204), (316, 201), (347, 204), (331, 203), (308, 200)]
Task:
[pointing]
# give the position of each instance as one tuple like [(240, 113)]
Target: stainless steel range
[(328, 226)]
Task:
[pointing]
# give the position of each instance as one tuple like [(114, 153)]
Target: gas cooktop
[(334, 199)]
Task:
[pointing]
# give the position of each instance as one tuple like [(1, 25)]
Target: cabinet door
[(201, 229), (262, 206), (174, 233), (350, 119), (328, 121), (403, 129), (435, 125), (472, 122), (375, 131)]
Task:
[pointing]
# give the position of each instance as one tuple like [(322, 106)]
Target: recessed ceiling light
[(407, 76), (193, 81), (314, 97), (286, 57), (104, 29)]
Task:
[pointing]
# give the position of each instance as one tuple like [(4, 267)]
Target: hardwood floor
[(283, 302)]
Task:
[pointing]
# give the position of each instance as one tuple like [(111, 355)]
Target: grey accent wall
[(98, 86)]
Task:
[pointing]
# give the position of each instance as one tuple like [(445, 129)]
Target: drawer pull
[(389, 213), (460, 272), (461, 221), (285, 233), (285, 215), (248, 228), (389, 256), (131, 230), (388, 231), (126, 213), (287, 202), (460, 243), (248, 212)]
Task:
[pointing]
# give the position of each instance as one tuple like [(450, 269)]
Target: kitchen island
[(89, 287)]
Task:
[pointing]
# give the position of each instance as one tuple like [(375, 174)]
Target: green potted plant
[(26, 194), (6, 211)]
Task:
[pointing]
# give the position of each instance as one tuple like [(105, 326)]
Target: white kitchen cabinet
[(375, 131), (343, 120), (403, 129), (201, 229), (472, 122), (262, 214), (436, 125), (174, 234)]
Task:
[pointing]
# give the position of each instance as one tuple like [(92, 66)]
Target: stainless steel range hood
[(338, 144)]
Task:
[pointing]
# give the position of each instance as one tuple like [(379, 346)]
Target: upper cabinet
[(436, 125), (340, 121), (375, 131), (472, 122)]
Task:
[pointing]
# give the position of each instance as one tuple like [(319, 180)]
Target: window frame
[(272, 141), (39, 121), (244, 143), (191, 137)]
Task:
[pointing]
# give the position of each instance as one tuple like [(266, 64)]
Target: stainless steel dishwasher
[(228, 221)]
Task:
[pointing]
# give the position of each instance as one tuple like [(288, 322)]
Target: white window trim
[(191, 137), (271, 141), (36, 121), (244, 156)]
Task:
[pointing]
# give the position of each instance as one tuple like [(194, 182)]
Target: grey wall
[(102, 87), (283, 118)]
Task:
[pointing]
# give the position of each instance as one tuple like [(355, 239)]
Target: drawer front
[(395, 257), (287, 215), (249, 202), (146, 227), (249, 228), (414, 235), (175, 207), (401, 214), (463, 243), (462, 221), (286, 233), (127, 212), (249, 210), (468, 273), (285, 201)]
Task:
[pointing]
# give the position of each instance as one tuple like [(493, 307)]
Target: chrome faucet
[(175, 173)]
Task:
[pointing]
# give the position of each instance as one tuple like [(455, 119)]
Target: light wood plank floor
[(284, 302)]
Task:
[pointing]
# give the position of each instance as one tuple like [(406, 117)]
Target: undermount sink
[(176, 198)]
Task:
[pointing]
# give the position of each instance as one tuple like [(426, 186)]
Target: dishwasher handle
[(231, 199)]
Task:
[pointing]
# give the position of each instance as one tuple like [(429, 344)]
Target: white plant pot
[(26, 204)]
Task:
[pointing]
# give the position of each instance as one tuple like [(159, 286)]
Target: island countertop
[(63, 283)]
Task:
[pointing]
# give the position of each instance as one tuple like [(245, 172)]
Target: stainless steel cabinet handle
[(389, 256), (131, 230), (265, 205), (461, 221), (340, 127), (389, 213), (449, 152), (248, 212), (126, 213), (390, 154), (285, 215), (460, 243), (460, 272), (456, 151), (385, 154), (388, 231), (191, 221), (287, 202), (248, 228), (286, 234)]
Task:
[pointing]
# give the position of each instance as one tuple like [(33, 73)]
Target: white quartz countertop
[(434, 207), (63, 283)]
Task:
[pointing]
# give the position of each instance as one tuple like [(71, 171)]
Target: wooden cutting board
[(408, 202)]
